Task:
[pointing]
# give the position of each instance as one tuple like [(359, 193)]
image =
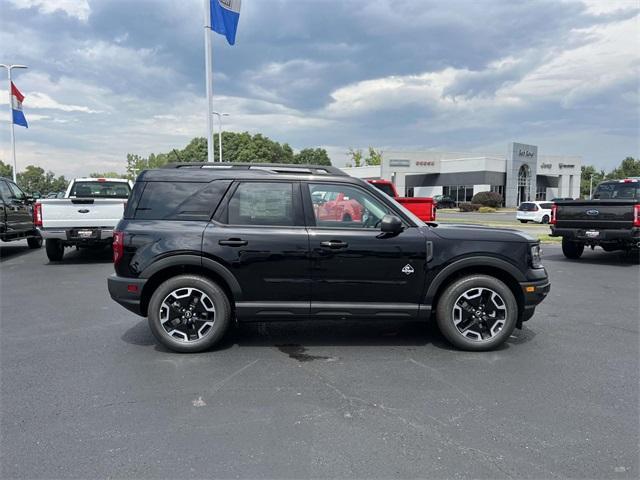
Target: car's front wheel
[(189, 313), (477, 312), (55, 249), (545, 219)]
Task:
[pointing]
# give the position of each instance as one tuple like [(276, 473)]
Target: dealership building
[(520, 175)]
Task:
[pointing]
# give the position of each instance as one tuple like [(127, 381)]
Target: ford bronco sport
[(202, 245)]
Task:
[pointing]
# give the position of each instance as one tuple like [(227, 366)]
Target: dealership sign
[(397, 162)]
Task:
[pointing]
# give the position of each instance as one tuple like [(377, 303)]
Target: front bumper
[(534, 292), (127, 292)]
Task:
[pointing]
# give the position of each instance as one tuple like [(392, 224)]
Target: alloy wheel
[(479, 314), (187, 314)]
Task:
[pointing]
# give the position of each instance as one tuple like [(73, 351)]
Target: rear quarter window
[(177, 200)]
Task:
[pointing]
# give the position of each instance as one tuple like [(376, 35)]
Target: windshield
[(619, 191), (98, 189), (385, 187)]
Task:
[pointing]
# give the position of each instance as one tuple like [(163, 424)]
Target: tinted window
[(620, 191), (528, 207), (4, 190), (343, 206), (546, 206), (178, 200), (97, 189), (262, 203), (17, 193)]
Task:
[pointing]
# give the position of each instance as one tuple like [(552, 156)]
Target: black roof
[(202, 171)]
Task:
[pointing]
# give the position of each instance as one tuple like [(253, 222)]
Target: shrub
[(487, 210), (488, 199), (468, 207)]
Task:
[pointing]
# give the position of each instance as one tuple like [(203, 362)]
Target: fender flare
[(475, 261), (196, 261)]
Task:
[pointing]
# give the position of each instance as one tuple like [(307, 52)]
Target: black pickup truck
[(611, 219), (16, 215)]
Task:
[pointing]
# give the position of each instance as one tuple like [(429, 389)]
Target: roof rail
[(269, 167)]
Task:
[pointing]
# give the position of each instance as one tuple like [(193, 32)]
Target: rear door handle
[(334, 244), (233, 242)]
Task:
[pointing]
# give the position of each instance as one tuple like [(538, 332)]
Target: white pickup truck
[(86, 216)]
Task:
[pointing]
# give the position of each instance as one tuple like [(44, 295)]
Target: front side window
[(343, 206), (262, 204)]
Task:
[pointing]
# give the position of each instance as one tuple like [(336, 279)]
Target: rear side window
[(262, 203), (546, 206), (178, 200)]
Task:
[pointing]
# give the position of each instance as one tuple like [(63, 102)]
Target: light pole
[(590, 185), (13, 138), (220, 115)]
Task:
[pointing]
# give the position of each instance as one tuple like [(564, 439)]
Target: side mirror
[(391, 224)]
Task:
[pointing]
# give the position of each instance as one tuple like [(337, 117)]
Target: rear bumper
[(127, 292), (630, 235), (105, 235)]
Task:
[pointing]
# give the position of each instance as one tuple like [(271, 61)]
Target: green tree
[(589, 177), (6, 170), (374, 158), (356, 156), (629, 167), (107, 175), (312, 156), (35, 179)]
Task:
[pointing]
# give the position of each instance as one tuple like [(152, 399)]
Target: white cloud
[(74, 8)]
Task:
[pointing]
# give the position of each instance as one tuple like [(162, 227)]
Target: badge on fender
[(407, 269)]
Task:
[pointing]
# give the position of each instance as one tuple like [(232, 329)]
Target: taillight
[(118, 246), (636, 216), (554, 215), (37, 214)]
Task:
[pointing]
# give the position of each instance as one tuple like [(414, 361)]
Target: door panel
[(18, 211), (259, 235), (356, 269)]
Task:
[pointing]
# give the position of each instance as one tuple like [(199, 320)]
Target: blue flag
[(224, 18)]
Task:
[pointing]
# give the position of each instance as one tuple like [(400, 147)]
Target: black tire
[(346, 217), (222, 316), (545, 219), (445, 312), (55, 250), (34, 242), (572, 250), (523, 221)]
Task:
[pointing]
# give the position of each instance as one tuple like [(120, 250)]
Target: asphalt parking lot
[(86, 393)]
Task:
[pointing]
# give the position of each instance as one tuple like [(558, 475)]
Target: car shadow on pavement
[(598, 257), (292, 338), (9, 251), (85, 256)]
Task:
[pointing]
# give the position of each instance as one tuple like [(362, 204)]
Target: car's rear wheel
[(523, 221), (55, 249), (189, 313), (346, 217), (571, 249), (35, 241), (477, 312), (545, 219)]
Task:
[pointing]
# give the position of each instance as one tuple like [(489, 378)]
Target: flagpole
[(208, 62), (13, 136)]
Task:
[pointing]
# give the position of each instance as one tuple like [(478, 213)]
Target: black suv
[(16, 215), (203, 244)]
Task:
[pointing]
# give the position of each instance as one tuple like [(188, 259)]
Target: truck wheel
[(189, 313), (477, 313), (55, 249), (545, 219), (523, 221), (34, 242), (346, 217), (572, 250)]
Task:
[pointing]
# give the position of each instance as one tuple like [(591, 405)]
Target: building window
[(524, 183), (541, 193), (459, 193)]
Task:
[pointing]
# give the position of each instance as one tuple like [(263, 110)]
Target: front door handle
[(334, 244), (233, 242)]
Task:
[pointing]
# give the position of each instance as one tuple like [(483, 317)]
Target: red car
[(337, 207)]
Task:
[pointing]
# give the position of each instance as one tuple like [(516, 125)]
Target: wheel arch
[(175, 265), (491, 266)]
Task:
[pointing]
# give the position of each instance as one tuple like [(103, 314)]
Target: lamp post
[(590, 185), (220, 115), (13, 137)]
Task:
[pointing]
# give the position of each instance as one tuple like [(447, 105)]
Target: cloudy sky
[(110, 77)]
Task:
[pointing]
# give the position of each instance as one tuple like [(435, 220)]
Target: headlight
[(536, 256)]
